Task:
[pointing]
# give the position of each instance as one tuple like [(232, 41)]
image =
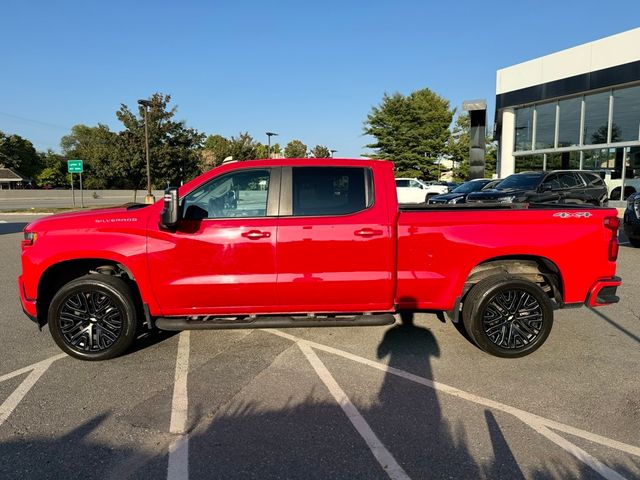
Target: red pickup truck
[(311, 242)]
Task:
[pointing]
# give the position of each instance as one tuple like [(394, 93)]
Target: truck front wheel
[(507, 316), (93, 317)]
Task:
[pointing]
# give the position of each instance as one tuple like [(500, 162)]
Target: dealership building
[(575, 109)]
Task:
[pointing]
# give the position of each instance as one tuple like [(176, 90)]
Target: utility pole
[(149, 198), (269, 135)]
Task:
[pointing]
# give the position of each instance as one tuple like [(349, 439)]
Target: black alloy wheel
[(512, 319), (507, 316), (93, 317)]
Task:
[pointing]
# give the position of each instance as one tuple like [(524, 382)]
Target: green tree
[(243, 147), (19, 154), (320, 151), (216, 148), (412, 131), (97, 147), (174, 149), (295, 149), (54, 173)]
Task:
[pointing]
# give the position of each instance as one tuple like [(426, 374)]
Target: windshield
[(527, 181), (469, 187)]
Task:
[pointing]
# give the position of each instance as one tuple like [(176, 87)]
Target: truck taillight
[(612, 224)]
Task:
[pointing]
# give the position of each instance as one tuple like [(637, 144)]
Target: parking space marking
[(178, 468), (534, 421), (577, 452), (382, 455), (37, 370)]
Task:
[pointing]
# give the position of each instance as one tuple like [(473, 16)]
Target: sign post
[(76, 166)]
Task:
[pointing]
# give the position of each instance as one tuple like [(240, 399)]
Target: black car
[(459, 194), (632, 219), (559, 186)]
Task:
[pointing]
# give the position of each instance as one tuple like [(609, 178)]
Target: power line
[(38, 122)]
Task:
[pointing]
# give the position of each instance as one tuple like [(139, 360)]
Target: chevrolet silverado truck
[(311, 242)]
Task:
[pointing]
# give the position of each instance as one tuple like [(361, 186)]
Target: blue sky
[(307, 70)]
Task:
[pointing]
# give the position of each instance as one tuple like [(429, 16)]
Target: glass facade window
[(528, 163), (596, 118), (524, 128), (600, 159), (569, 122), (626, 115), (545, 126)]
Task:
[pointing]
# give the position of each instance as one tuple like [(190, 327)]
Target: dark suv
[(559, 186), (632, 219)]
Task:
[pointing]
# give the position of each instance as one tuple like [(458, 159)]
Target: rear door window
[(402, 183), (331, 190), (569, 180)]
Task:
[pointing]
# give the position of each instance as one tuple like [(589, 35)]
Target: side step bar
[(226, 323)]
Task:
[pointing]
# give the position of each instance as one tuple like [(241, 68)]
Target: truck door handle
[(367, 232), (256, 234)]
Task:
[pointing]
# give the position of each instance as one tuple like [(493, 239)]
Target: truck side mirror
[(545, 187), (170, 215)]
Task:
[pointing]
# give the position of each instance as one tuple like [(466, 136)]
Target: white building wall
[(597, 55)]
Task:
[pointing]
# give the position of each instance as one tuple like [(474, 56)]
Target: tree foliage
[(173, 148), (19, 154), (412, 131), (320, 151), (54, 172), (97, 147), (295, 149)]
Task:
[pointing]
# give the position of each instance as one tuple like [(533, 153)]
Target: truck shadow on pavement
[(12, 227)]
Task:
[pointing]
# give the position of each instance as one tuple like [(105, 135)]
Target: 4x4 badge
[(572, 214)]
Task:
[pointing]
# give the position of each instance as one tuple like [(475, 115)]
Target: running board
[(230, 323)]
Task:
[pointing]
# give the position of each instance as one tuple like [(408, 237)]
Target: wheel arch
[(537, 269), (60, 273)]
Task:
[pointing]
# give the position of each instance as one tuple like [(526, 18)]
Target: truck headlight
[(29, 239), (508, 199)]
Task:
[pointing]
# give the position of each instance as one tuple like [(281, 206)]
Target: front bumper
[(28, 304), (603, 292)]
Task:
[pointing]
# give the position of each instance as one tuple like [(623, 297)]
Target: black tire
[(94, 317), (507, 316), (635, 242)]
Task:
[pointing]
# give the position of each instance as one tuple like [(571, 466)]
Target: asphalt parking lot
[(406, 401)]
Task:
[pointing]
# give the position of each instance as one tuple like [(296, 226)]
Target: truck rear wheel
[(507, 316), (93, 317)]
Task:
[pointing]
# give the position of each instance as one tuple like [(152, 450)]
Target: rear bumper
[(603, 292), (28, 304)]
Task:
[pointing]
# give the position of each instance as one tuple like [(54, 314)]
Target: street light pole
[(269, 135), (149, 198), (332, 152)]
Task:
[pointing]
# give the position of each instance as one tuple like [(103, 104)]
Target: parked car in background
[(632, 219), (459, 194), (412, 190), (614, 183), (559, 186)]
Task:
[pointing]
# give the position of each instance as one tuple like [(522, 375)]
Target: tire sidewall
[(118, 291), (476, 321)]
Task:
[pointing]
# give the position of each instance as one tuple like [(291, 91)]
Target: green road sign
[(74, 166)]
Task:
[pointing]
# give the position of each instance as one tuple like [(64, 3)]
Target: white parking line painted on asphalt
[(577, 452), (13, 400), (178, 468), (383, 456), (531, 419)]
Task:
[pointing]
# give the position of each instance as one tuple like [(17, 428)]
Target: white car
[(412, 190)]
